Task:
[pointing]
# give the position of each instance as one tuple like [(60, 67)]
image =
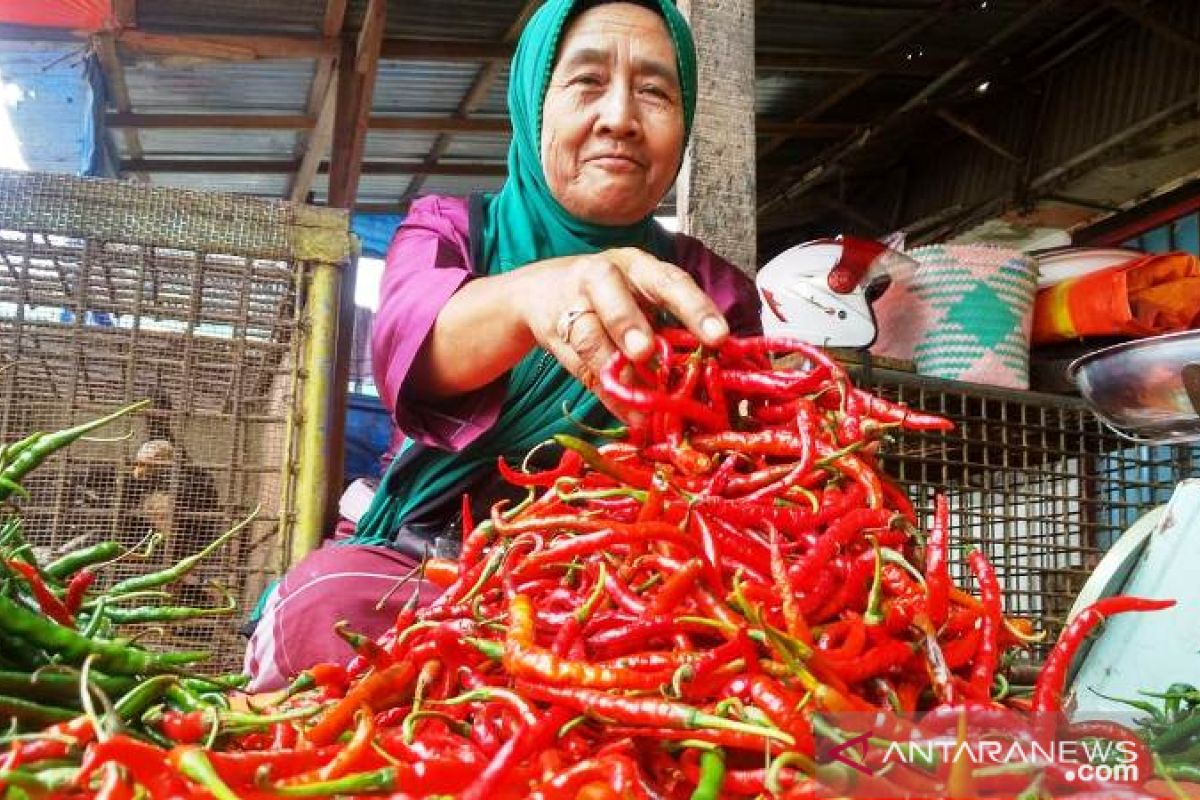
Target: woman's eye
[(587, 80), (656, 91)]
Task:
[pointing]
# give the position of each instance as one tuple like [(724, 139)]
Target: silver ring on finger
[(567, 320)]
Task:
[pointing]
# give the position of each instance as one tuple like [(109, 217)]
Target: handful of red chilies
[(698, 610)]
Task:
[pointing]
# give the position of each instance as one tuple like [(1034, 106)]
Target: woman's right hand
[(584, 308)]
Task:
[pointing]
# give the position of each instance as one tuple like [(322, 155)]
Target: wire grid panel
[(1035, 480), (95, 315)]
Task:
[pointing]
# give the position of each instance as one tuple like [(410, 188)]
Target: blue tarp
[(375, 231), (1180, 234), (54, 101)]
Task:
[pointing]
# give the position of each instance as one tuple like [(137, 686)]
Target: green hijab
[(523, 223)]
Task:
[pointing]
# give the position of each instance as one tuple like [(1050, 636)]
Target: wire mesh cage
[(112, 293), (1036, 480)]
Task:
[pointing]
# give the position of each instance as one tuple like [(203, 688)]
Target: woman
[(498, 312)]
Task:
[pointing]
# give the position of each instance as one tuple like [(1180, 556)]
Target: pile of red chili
[(693, 610)]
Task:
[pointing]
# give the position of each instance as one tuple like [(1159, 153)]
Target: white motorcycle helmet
[(821, 291)]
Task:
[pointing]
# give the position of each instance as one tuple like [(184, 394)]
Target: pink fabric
[(429, 259), (332, 584)]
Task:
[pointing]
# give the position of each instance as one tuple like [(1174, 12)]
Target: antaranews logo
[(985, 752)]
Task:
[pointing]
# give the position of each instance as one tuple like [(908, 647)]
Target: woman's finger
[(623, 322), (669, 287), (591, 343)]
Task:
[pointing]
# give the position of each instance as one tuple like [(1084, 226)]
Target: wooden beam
[(297, 122), (125, 12), (331, 28), (357, 67), (314, 144), (401, 49), (784, 61), (229, 47), (226, 166), (316, 148), (427, 124), (114, 77), (960, 124)]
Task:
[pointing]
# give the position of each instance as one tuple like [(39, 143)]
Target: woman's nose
[(617, 115)]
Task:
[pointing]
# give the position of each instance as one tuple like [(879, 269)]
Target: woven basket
[(979, 302)]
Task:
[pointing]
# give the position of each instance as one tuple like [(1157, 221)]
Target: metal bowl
[(1147, 390)]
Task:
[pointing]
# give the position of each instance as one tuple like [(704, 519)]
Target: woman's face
[(612, 121)]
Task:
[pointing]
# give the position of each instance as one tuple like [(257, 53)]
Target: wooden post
[(355, 87), (715, 193)]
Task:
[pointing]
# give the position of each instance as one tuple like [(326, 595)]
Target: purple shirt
[(427, 262)]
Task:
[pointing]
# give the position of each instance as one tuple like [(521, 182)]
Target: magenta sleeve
[(426, 264), (732, 292)]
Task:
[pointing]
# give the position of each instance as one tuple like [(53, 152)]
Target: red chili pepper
[(937, 562), (879, 660), (648, 711), (988, 656), (441, 572), (370, 691), (524, 659), (781, 705), (185, 727), (77, 588), (837, 536), (528, 740), (844, 639), (114, 786), (1047, 695), (50, 605), (655, 400), (145, 762), (765, 346), (895, 498), (887, 411), (569, 466)]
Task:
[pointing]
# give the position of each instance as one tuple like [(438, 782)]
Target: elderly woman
[(497, 312)]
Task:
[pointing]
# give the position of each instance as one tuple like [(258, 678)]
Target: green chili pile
[(696, 609)]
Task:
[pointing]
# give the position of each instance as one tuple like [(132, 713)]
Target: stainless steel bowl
[(1147, 390)]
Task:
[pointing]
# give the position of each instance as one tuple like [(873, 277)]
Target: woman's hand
[(582, 309)]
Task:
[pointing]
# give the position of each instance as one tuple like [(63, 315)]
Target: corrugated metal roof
[(262, 185), (227, 144), (275, 85), (47, 96), (417, 87), (1127, 79), (1099, 78), (232, 16), (480, 20), (400, 145), (479, 147)]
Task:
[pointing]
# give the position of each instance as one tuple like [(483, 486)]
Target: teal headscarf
[(524, 223)]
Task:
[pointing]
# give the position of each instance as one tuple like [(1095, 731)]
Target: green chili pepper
[(180, 568), (138, 699), (1182, 732), (712, 775), (74, 647), (380, 780), (146, 614), (57, 685), (25, 456), (194, 764), (33, 713), (76, 560)]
